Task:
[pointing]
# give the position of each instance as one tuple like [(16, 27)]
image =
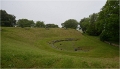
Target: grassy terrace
[(30, 48)]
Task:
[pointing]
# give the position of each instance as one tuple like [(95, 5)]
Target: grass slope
[(29, 48)]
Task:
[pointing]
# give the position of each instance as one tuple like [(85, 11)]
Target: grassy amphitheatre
[(54, 48)]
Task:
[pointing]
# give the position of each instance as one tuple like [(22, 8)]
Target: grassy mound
[(30, 48)]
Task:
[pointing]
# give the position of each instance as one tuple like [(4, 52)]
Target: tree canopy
[(25, 23), (7, 20), (104, 23), (109, 17), (51, 26), (88, 24), (40, 24), (71, 23), (84, 23)]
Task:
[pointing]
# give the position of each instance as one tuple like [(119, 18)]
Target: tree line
[(8, 20), (104, 23), (30, 23)]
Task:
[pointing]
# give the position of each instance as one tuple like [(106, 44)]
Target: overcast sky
[(52, 11)]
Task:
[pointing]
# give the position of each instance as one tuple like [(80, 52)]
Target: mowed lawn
[(30, 48)]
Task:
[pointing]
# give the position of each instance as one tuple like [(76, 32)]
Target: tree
[(40, 24), (88, 24), (25, 23), (51, 26), (31, 23), (105, 23), (7, 20), (71, 23), (91, 30), (109, 18), (84, 23)]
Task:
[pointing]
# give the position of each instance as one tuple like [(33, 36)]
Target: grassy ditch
[(30, 48)]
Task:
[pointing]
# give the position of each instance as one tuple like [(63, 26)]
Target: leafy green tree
[(31, 23), (109, 18), (105, 23), (71, 23), (88, 24), (7, 20), (91, 30), (51, 26), (25, 23), (40, 24), (84, 23), (99, 26)]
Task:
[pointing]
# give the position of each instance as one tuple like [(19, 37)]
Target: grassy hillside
[(30, 48)]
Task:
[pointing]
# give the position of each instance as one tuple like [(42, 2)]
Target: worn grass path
[(30, 48)]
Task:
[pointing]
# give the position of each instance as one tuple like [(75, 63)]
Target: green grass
[(30, 48)]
